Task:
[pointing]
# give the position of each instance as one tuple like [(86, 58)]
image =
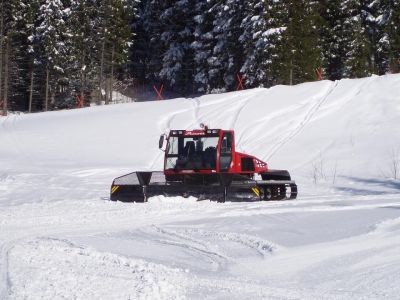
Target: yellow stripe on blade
[(114, 189), (256, 191)]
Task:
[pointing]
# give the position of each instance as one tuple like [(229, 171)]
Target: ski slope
[(60, 237)]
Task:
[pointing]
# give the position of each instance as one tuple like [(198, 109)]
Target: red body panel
[(259, 165)]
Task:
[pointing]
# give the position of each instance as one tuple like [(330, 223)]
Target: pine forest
[(57, 54)]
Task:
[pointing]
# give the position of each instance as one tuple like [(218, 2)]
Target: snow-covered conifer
[(203, 44), (227, 57), (358, 58), (254, 40), (177, 61), (333, 38), (298, 54), (393, 31)]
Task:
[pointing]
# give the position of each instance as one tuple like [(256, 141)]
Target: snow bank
[(349, 125)]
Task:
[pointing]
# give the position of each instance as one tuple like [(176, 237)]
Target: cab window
[(226, 152)]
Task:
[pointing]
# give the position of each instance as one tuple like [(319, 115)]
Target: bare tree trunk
[(110, 88), (291, 52), (107, 83), (101, 68), (46, 105), (106, 90), (112, 74), (1, 49), (52, 96), (103, 46), (31, 92), (82, 76), (6, 71)]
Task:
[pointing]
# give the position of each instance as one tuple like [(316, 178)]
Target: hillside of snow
[(60, 237)]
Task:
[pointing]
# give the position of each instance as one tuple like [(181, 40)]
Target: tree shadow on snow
[(368, 186), (391, 207)]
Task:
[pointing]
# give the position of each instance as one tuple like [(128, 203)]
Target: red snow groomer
[(204, 163)]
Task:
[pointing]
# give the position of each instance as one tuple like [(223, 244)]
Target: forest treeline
[(62, 53)]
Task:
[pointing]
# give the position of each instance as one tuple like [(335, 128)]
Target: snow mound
[(343, 128), (58, 269)]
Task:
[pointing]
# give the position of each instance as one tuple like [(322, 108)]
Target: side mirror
[(161, 141)]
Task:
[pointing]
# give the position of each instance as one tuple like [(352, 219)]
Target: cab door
[(226, 151)]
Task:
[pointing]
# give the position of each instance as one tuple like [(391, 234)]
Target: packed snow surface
[(61, 237)]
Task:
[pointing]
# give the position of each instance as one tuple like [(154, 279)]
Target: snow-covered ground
[(60, 237)]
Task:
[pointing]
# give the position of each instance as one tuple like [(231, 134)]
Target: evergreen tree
[(9, 12), (177, 60), (112, 25), (382, 47), (299, 51), (254, 41), (84, 47), (276, 24), (219, 54), (393, 31), (50, 49), (26, 90), (227, 58), (203, 44), (51, 35), (375, 16), (358, 59), (333, 38), (147, 49), (120, 38)]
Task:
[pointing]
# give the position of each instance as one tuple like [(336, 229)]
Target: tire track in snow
[(188, 242), (242, 106), (348, 97), (308, 116), (5, 281), (247, 133), (220, 109), (80, 222), (262, 247), (72, 266)]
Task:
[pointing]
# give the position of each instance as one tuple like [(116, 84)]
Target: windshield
[(192, 153)]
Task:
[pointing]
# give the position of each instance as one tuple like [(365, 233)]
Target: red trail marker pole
[(319, 73), (79, 101), (159, 92), (240, 79)]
